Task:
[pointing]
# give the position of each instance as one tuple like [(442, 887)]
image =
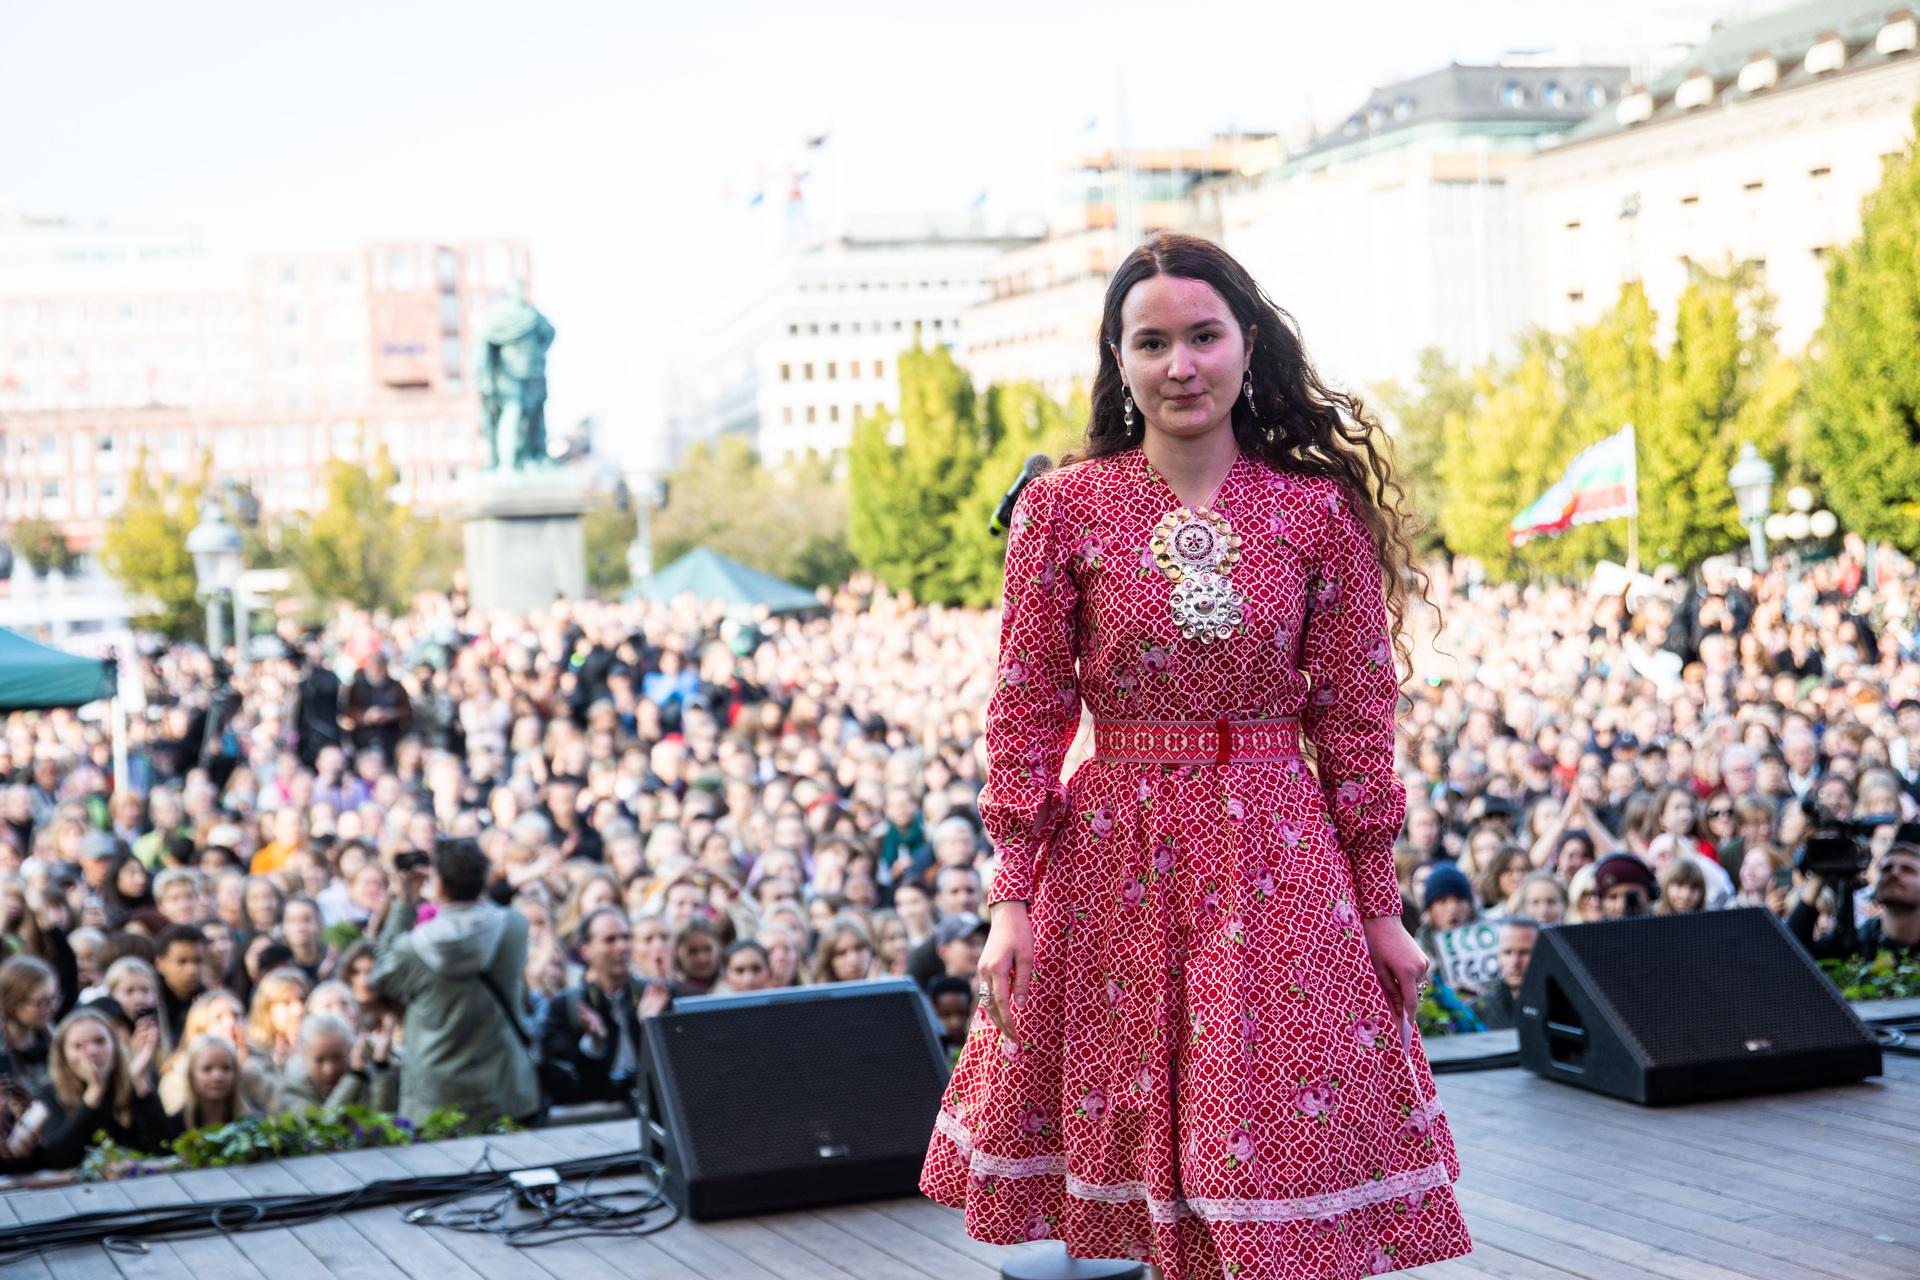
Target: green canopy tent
[(712, 576), (34, 677)]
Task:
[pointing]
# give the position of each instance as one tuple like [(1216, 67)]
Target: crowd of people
[(453, 860)]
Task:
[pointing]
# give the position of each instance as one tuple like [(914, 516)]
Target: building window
[(1576, 295), (806, 372), (786, 415), (1694, 199), (896, 326), (1756, 185), (834, 327), (1552, 95), (879, 368), (1402, 108), (810, 413), (793, 331), (814, 330), (1820, 171), (1573, 225), (833, 370), (50, 488), (1513, 94), (833, 413), (786, 373), (853, 368), (1594, 95)]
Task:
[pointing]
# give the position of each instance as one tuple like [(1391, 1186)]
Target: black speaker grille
[(805, 1084), (1699, 987)]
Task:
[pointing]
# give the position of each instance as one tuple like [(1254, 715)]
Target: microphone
[(1036, 463)]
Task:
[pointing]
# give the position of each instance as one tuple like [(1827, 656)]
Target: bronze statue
[(512, 381)]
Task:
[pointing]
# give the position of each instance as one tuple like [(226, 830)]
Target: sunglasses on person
[(1719, 813)]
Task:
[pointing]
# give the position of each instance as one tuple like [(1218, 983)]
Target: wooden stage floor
[(1820, 1185)]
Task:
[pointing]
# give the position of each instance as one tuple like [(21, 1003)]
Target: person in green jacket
[(465, 1045)]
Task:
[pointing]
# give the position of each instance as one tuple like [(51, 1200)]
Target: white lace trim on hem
[(1322, 1205)]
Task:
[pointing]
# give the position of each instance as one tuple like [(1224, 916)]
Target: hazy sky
[(622, 140)]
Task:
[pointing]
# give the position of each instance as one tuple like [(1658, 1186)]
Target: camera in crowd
[(1835, 849)]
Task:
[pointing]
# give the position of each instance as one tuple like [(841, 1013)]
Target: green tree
[(42, 545), (609, 527), (145, 550), (362, 547), (909, 475), (790, 522), (1493, 454), (1417, 416), (1018, 420), (1863, 387), (1722, 346)]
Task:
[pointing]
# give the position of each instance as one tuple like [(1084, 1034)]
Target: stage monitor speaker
[(769, 1100), (1681, 1008)]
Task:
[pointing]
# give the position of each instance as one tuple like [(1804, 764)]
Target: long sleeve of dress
[(1035, 711), (1348, 655)]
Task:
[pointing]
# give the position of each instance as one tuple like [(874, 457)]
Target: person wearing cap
[(1626, 886), (1446, 902), (959, 939)]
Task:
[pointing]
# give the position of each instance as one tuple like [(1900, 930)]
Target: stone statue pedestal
[(523, 537)]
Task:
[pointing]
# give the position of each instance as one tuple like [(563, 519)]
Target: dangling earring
[(1248, 388), (1127, 417)]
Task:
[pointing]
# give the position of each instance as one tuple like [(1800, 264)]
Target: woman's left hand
[(1398, 960)]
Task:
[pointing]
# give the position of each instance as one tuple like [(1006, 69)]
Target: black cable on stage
[(126, 1231), (574, 1215)]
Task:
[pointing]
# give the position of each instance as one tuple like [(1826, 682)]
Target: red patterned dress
[(1208, 1075)]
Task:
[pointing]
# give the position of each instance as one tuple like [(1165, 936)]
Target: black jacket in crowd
[(569, 1071)]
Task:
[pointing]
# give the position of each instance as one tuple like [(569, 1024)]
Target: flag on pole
[(1599, 484)]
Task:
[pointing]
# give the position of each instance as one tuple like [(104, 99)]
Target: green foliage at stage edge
[(252, 1139), (1843, 418)]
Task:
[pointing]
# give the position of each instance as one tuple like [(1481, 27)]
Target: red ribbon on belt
[(1224, 753)]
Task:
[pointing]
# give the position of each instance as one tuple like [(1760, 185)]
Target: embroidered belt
[(1197, 741)]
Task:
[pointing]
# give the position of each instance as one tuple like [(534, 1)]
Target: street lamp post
[(216, 549), (1751, 479), (1800, 524)]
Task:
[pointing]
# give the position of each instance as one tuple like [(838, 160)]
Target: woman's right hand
[(1007, 963), (93, 1083)]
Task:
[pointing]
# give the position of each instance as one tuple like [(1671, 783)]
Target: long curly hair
[(1297, 423)]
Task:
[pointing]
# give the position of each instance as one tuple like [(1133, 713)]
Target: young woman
[(29, 998), (273, 1033), (303, 931), (99, 1082), (744, 968), (846, 952), (1225, 566), (211, 1085), (212, 1013), (696, 957)]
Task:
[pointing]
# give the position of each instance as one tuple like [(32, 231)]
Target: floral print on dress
[(1202, 991)]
